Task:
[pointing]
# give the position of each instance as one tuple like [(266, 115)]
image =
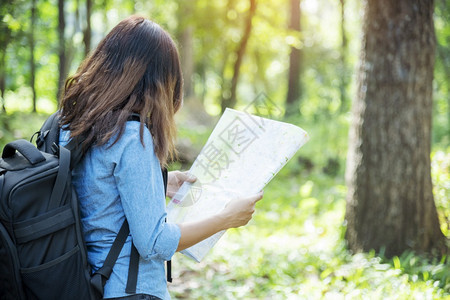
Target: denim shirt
[(118, 181)]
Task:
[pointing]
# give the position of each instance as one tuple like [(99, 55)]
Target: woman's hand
[(175, 179), (238, 212), (235, 214)]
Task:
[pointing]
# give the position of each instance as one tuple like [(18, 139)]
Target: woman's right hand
[(238, 212), (235, 214)]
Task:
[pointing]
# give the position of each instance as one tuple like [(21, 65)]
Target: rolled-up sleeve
[(140, 185)]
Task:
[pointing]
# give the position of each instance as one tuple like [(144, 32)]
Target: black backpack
[(42, 250)]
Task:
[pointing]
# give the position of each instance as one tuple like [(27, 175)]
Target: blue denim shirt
[(124, 180)]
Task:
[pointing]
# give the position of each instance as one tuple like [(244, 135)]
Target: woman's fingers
[(239, 211), (259, 196), (254, 198), (186, 176)]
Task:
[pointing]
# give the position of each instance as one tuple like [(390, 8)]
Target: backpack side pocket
[(10, 279)]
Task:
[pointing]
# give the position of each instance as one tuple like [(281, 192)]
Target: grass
[(294, 249)]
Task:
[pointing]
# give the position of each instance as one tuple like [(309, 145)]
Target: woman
[(135, 70)]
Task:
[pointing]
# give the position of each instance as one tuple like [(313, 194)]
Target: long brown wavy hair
[(134, 69)]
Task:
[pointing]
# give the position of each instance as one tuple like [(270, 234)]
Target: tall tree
[(343, 62), (105, 8), (87, 32), (294, 91), (186, 36), (230, 101), (5, 38), (187, 56), (3, 72), (32, 60), (390, 202), (226, 52), (61, 47)]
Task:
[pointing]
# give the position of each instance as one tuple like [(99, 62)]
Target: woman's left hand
[(175, 179)]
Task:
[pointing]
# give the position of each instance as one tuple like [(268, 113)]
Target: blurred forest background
[(371, 227)]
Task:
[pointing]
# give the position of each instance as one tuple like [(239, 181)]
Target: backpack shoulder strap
[(49, 133), (99, 278), (76, 151), (133, 267), (169, 262)]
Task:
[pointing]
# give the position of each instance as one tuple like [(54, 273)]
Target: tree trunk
[(187, 60), (87, 30), (231, 100), (390, 202), (32, 62), (186, 32), (77, 16), (226, 53), (5, 37), (3, 80), (294, 91), (343, 63), (105, 8), (61, 48)]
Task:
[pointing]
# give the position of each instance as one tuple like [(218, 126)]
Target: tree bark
[(390, 202), (294, 91), (231, 100), (61, 48), (32, 60), (87, 30)]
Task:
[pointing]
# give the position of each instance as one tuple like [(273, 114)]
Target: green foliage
[(440, 171), (441, 108), (422, 268), (294, 248), (19, 125)]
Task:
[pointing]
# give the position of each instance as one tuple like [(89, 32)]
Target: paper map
[(242, 154)]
